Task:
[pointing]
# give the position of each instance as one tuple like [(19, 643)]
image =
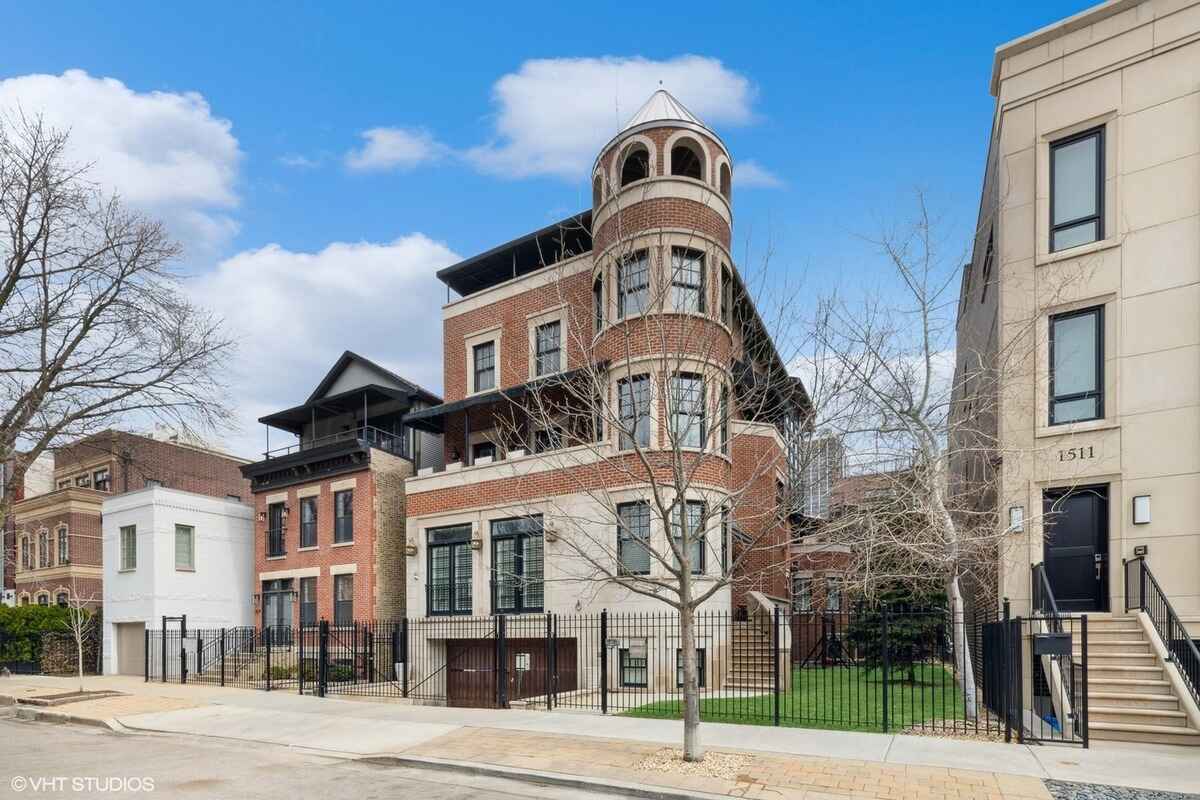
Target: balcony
[(322, 457), (364, 435)]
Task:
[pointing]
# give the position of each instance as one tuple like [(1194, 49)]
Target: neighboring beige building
[(1083, 297)]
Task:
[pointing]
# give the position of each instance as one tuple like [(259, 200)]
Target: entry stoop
[(1130, 698)]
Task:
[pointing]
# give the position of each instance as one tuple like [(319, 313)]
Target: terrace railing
[(366, 435)]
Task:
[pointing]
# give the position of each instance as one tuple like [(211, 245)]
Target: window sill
[(1076, 252), (308, 549), (185, 569), (342, 544), (126, 569), (1071, 428), (277, 558)]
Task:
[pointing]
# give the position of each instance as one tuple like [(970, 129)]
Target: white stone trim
[(343, 485), (706, 168), (343, 569), (496, 336), (546, 276), (671, 186), (533, 322), (303, 572), (614, 169), (278, 497), (308, 491)]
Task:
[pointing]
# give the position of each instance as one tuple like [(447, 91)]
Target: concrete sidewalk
[(357, 728)]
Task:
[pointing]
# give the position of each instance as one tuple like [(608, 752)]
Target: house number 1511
[(1074, 453)]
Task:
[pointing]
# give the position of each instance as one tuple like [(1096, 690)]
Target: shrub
[(22, 628)]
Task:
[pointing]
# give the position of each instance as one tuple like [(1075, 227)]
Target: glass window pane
[(1083, 233), (1075, 180), (439, 578), (534, 571), (1075, 410), (1075, 355), (462, 578), (506, 576)]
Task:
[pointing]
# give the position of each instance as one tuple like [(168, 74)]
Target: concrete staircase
[(751, 659), (1130, 698)]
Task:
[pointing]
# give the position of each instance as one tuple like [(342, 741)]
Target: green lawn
[(841, 698)]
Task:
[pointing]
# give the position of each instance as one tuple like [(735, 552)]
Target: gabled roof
[(349, 357), (662, 105)]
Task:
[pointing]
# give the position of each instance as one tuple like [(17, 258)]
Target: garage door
[(131, 648)]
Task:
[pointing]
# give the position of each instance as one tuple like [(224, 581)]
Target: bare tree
[(93, 326), (679, 377), (81, 622)]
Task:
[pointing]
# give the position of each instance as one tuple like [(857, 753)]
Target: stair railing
[(1043, 599), (1143, 593)]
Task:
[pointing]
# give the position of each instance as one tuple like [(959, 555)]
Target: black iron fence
[(870, 668)]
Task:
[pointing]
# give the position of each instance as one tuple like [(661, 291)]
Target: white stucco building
[(169, 552)]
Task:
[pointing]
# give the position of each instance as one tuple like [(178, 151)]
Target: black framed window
[(483, 357), (724, 419), (687, 409), (726, 533), (518, 568), (101, 481), (801, 593), (1077, 366), (701, 677), (343, 599), (989, 256), (27, 552), (308, 601), (726, 295), (633, 284), (343, 516), (308, 522), (43, 549), (61, 600), (547, 439), (64, 546), (693, 513), (633, 663), (598, 303), (449, 579), (547, 340), (633, 538), (687, 279), (1077, 190), (275, 534), (633, 401), (833, 594), (483, 450)]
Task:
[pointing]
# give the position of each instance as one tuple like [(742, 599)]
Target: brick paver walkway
[(767, 775)]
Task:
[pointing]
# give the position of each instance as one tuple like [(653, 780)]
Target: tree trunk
[(79, 655), (692, 749), (962, 648)]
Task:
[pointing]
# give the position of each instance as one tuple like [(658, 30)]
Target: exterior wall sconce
[(1016, 518), (1141, 509)]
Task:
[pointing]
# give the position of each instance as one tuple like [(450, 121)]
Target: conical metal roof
[(662, 105)]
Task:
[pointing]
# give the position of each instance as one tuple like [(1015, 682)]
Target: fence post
[(146, 653), (604, 661), (502, 666), (300, 658), (163, 637), (1142, 584), (183, 649), (1083, 651), (1006, 681), (404, 655), (222, 656), (267, 647), (323, 658), (1017, 636), (886, 658), (775, 664), (549, 661)]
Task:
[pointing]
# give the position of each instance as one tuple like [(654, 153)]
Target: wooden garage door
[(131, 648)]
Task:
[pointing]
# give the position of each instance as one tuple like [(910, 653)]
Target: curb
[(39, 715), (558, 779)]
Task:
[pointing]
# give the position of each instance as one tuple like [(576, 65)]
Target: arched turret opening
[(597, 191), (635, 166), (726, 182), (687, 159)]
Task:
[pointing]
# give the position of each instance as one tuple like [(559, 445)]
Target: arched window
[(24, 599), (597, 191), (43, 599), (687, 159), (598, 303), (726, 181), (636, 165), (61, 600)]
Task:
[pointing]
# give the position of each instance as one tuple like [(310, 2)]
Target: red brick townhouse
[(38, 479), (59, 533), (642, 279), (329, 530)]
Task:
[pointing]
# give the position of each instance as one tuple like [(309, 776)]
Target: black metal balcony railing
[(275, 543), (394, 443), (1142, 593)]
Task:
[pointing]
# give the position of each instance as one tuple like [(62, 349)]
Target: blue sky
[(319, 162)]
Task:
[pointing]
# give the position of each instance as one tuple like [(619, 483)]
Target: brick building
[(59, 533), (38, 478), (637, 299), (329, 508)]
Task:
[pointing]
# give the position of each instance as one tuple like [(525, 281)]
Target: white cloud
[(294, 313), (751, 174), (553, 115), (164, 152), (394, 148), (299, 161)]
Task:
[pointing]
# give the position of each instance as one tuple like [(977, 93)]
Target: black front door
[(1076, 547)]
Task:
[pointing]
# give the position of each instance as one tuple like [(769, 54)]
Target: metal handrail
[(396, 443), (1175, 637), (1043, 598)]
